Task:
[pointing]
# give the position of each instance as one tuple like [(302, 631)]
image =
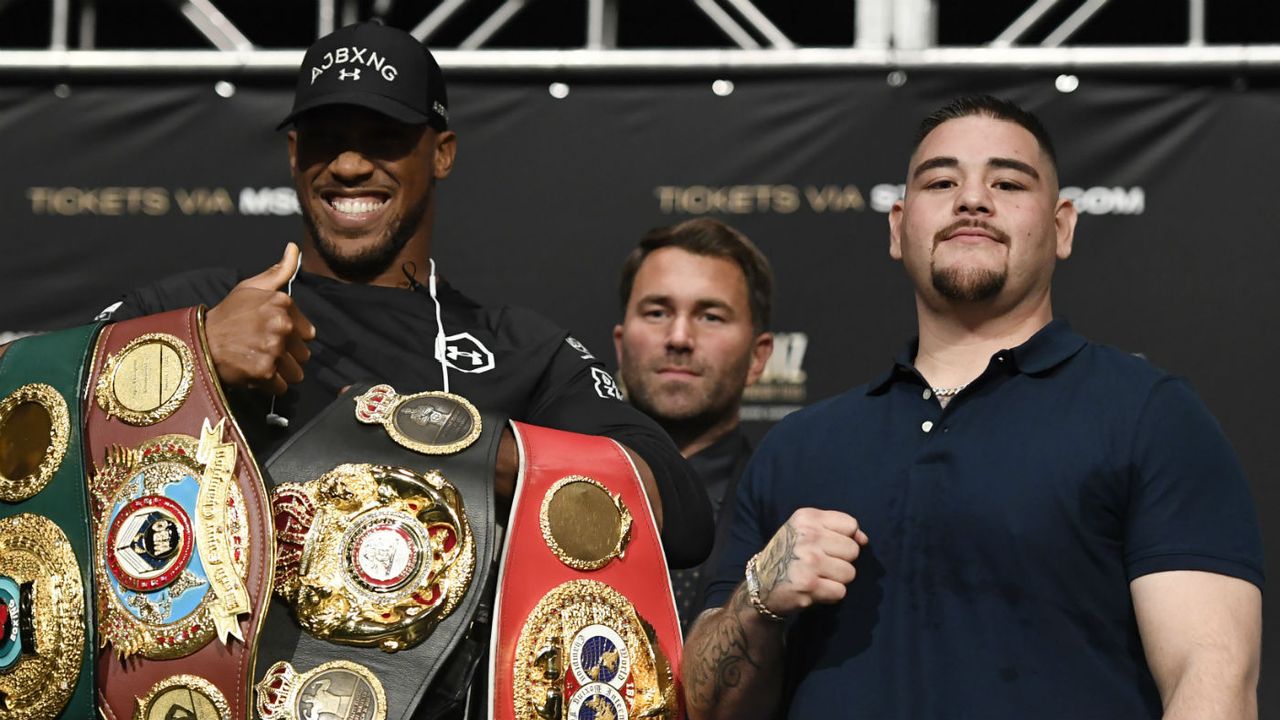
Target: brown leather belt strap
[(586, 622), (183, 532)]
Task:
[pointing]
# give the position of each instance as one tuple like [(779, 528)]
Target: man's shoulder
[(205, 286), (1121, 371), (813, 422)]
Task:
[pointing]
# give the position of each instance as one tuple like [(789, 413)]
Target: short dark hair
[(992, 107), (710, 238)]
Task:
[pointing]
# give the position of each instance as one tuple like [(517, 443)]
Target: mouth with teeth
[(355, 208)]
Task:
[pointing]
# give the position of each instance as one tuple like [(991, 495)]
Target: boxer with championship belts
[(385, 541), (586, 628), (46, 600), (182, 556)]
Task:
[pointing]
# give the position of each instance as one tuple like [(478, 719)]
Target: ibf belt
[(46, 599), (383, 508), (182, 551), (587, 627)]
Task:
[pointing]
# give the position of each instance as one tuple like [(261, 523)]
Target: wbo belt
[(182, 530), (385, 539), (46, 582), (586, 622)]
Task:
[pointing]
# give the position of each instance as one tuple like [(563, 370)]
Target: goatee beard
[(968, 285), (373, 261)]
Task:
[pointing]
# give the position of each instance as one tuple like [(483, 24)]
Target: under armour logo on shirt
[(453, 353), (465, 353), (352, 74)]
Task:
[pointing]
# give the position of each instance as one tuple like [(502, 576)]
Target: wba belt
[(46, 604), (385, 538), (587, 627), (183, 554)]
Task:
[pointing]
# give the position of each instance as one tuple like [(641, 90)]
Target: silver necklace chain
[(949, 392)]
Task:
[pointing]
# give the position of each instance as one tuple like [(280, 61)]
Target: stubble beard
[(686, 418), (371, 262)]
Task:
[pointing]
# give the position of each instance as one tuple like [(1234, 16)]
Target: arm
[(734, 655), (1202, 633)]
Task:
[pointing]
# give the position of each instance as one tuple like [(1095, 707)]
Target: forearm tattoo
[(776, 561), (720, 667)]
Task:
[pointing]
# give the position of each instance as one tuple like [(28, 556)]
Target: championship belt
[(385, 540), (183, 557), (587, 626), (46, 587)]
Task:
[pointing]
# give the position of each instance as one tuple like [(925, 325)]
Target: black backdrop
[(109, 185)]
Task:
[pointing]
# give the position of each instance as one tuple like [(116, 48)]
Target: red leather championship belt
[(182, 530), (587, 626)]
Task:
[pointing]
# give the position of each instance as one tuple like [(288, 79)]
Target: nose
[(974, 198), (680, 334), (351, 166)]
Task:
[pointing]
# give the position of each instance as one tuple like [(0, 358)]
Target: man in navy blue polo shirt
[(1045, 527)]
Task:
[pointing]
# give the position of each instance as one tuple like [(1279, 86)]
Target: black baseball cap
[(373, 66)]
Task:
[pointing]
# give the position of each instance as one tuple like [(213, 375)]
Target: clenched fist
[(809, 560), (257, 336)]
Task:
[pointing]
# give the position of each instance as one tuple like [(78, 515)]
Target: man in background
[(696, 301)]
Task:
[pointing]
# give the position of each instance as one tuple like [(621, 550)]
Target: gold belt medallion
[(41, 618), (372, 555), (585, 654), (35, 430), (583, 524), (147, 380), (336, 690), (434, 423), (172, 546), (188, 697)]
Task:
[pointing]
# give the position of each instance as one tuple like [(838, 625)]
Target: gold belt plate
[(371, 554), (172, 545), (433, 423), (42, 632), (35, 430), (585, 647)]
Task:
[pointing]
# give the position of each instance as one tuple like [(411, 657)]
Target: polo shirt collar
[(1052, 345)]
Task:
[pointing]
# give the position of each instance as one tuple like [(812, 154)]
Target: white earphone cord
[(440, 341)]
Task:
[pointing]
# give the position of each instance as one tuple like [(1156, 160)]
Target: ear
[(617, 343), (895, 230), (293, 153), (761, 350), (1064, 221), (446, 151)]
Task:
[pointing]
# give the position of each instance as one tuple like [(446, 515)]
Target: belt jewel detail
[(585, 654), (336, 690), (172, 549), (41, 618), (371, 554), (147, 380), (188, 697), (433, 423), (35, 430)]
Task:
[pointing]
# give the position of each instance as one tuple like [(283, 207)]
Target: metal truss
[(886, 34)]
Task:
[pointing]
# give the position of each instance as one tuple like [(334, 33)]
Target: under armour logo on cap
[(376, 67)]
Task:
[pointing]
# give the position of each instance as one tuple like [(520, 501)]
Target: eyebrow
[(996, 162), (699, 303)]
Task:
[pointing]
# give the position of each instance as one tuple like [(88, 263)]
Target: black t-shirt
[(507, 360), (719, 465)]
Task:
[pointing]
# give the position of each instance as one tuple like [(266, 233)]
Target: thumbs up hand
[(257, 336)]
